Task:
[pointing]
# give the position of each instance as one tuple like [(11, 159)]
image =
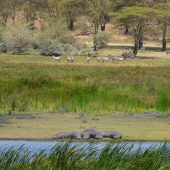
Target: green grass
[(38, 84), (67, 157)]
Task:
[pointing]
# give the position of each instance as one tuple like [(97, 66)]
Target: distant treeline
[(136, 16)]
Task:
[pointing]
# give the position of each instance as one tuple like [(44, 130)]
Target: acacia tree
[(120, 4), (8, 9), (163, 16), (71, 9), (31, 8), (55, 8), (136, 18), (97, 10)]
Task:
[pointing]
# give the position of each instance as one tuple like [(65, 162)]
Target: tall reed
[(69, 157)]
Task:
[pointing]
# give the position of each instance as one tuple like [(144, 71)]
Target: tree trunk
[(5, 19), (94, 43), (140, 35), (126, 31), (164, 43), (102, 21), (71, 25), (140, 41), (135, 50), (136, 45), (96, 27), (140, 44), (103, 27)]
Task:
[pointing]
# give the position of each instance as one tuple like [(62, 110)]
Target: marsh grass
[(94, 89), (69, 157)]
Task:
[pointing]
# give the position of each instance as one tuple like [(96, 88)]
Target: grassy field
[(45, 94), (67, 157), (39, 84)]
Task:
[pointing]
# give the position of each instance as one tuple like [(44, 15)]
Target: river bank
[(43, 126)]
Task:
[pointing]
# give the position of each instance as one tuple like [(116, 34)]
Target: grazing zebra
[(118, 59), (88, 59), (71, 59), (99, 59), (105, 59)]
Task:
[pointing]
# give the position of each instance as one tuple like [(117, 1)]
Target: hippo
[(113, 135), (85, 135), (88, 134), (98, 135), (68, 135), (91, 133)]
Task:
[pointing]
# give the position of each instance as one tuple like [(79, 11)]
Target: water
[(37, 146)]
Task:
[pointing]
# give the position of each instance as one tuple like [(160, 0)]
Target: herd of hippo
[(88, 134)]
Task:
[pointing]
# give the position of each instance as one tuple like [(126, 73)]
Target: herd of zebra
[(105, 59), (88, 59)]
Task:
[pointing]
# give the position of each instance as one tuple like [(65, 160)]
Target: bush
[(56, 32), (17, 38), (101, 39)]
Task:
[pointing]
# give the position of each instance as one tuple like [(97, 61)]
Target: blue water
[(37, 146)]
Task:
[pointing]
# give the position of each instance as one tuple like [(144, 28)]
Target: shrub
[(55, 33), (17, 38), (101, 39)]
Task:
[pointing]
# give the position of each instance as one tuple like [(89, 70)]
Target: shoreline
[(90, 140)]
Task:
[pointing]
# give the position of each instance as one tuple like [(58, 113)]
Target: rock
[(113, 135), (68, 135)]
